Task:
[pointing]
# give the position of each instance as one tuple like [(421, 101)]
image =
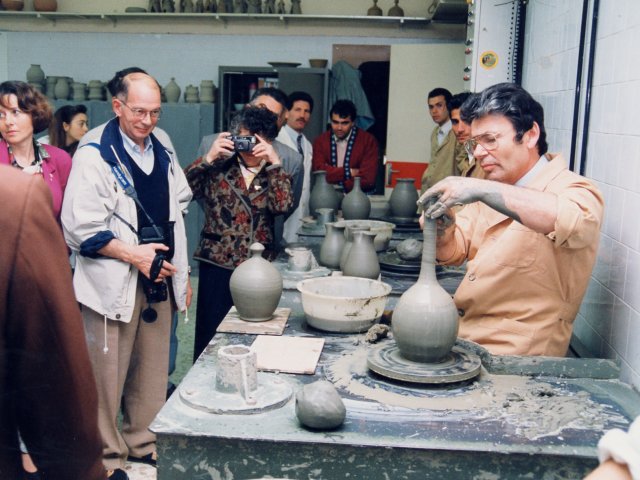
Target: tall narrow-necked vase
[(402, 201), (356, 204), (256, 287), (323, 195), (425, 320), (332, 245), (362, 260)]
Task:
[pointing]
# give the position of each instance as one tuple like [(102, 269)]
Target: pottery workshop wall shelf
[(185, 22)]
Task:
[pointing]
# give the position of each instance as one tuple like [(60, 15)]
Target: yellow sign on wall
[(489, 59)]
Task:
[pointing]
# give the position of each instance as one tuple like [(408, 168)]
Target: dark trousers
[(214, 302)]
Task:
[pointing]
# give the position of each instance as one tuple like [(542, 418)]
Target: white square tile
[(632, 283), (633, 341), (620, 328), (630, 228), (602, 268), (614, 208), (618, 269)]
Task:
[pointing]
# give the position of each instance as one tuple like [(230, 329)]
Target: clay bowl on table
[(383, 231), (343, 304)]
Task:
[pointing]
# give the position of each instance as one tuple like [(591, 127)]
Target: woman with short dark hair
[(24, 112)]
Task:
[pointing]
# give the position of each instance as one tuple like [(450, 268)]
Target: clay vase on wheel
[(356, 205), (403, 199), (256, 287), (425, 320), (363, 259), (323, 194), (332, 245)]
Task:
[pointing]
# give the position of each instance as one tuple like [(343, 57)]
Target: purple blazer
[(56, 166)]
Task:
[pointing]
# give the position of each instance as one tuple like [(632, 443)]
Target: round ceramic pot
[(256, 287), (45, 5), (403, 199)]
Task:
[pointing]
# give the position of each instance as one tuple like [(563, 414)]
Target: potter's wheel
[(403, 224), (457, 366), (390, 261), (272, 392)]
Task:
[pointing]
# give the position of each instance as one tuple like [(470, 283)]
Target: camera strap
[(130, 191)]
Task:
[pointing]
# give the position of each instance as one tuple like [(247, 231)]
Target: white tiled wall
[(609, 321)]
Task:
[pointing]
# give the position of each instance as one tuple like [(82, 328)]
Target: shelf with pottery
[(224, 19)]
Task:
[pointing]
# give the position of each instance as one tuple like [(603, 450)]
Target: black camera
[(243, 143), (156, 292)]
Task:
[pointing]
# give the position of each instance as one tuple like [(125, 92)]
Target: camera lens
[(149, 315)]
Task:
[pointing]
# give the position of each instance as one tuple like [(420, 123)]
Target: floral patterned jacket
[(236, 217)]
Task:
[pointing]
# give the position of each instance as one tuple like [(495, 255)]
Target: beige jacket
[(522, 289), (444, 159)]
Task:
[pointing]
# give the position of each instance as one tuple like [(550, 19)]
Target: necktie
[(299, 142)]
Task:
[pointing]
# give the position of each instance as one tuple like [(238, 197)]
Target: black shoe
[(170, 389), (117, 474), (31, 475), (149, 459)]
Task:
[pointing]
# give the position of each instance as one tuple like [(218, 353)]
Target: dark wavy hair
[(30, 101), (57, 135), (456, 101), (344, 109), (436, 92), (300, 96), (513, 102), (257, 120)]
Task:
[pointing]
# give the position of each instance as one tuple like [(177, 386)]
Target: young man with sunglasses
[(529, 233), (122, 214)]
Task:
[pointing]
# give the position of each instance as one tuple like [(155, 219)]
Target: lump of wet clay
[(319, 406), (409, 249)]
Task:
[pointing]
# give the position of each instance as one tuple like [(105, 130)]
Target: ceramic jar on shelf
[(35, 74), (172, 91), (45, 5)]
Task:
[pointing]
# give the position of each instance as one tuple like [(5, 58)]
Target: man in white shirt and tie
[(443, 140), (299, 112)]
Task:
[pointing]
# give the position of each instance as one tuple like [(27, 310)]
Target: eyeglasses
[(488, 141), (140, 113), (15, 113)]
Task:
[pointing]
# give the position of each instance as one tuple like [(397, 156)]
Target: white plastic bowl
[(343, 304)]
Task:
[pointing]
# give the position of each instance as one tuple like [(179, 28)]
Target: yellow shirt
[(523, 289)]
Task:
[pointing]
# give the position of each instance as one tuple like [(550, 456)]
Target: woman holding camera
[(242, 185)]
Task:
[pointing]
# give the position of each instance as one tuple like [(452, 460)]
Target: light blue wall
[(188, 58)]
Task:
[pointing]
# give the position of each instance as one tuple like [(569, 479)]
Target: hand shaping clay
[(319, 406)]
